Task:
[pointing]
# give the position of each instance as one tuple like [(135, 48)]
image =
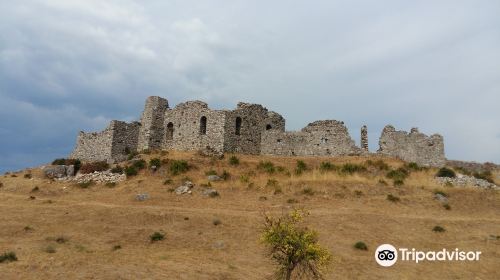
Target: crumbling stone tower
[(152, 129)]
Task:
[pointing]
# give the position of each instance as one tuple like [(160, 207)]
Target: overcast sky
[(71, 65)]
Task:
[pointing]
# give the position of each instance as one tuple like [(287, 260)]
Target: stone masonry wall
[(186, 120), (125, 139), (320, 138), (152, 119), (94, 146), (412, 147)]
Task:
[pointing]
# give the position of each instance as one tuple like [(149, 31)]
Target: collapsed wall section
[(193, 126), (412, 147), (320, 138)]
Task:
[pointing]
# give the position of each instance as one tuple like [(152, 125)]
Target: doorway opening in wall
[(268, 127), (203, 125), (238, 126), (170, 131)]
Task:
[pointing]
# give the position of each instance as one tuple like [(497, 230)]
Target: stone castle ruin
[(248, 129)]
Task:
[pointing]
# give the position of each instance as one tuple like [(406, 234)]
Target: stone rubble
[(186, 188), (464, 180), (213, 178), (58, 171), (210, 192), (99, 177), (142, 197)]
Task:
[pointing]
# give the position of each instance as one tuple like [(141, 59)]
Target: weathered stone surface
[(186, 188), (412, 147), (54, 171), (70, 170), (213, 178), (364, 138)]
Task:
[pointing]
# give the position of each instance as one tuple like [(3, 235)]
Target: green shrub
[(35, 189), (398, 174), (211, 172), (85, 185), (392, 198), (358, 193), (379, 164), (117, 247), (117, 170), (294, 247), (308, 191), (167, 181), (413, 166), (485, 175), (327, 166), (155, 162), (178, 166), (61, 239), (234, 160), (272, 183), (8, 257), (225, 175), (28, 176), (139, 164), (351, 168), (266, 166), (157, 236), (216, 222), (244, 179), (446, 172), (382, 182), (292, 201), (130, 171), (438, 229), (301, 167), (398, 182), (131, 155), (93, 167), (360, 245)]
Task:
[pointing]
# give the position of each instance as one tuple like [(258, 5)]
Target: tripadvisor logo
[(387, 255)]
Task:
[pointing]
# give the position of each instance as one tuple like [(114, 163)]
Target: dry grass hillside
[(59, 230)]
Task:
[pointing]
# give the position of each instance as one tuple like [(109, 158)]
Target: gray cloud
[(72, 65)]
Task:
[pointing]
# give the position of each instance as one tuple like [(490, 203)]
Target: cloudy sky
[(71, 65)]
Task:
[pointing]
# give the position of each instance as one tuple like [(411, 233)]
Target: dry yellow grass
[(344, 210)]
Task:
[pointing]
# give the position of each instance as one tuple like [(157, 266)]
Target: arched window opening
[(268, 127), (170, 131), (203, 125), (238, 126)]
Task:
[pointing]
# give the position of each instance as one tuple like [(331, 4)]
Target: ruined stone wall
[(244, 127), (125, 139), (412, 147), (93, 146), (109, 144), (186, 123), (320, 138), (152, 131)]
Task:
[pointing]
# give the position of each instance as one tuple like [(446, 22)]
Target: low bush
[(155, 162), (272, 183), (157, 236), (438, 229), (28, 176), (446, 172), (308, 191), (358, 193), (61, 239), (117, 170), (85, 185), (398, 174), (225, 175), (360, 245), (117, 247), (35, 189), (392, 198), (234, 160), (447, 206), (49, 249), (210, 172), (485, 175), (327, 166), (292, 201), (266, 166), (351, 168), (398, 182), (139, 164), (441, 193), (167, 182), (301, 167), (93, 167), (413, 166), (178, 166), (8, 257), (378, 164), (244, 179), (130, 171), (216, 222), (382, 182)]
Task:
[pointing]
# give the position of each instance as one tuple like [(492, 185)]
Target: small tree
[(294, 247)]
